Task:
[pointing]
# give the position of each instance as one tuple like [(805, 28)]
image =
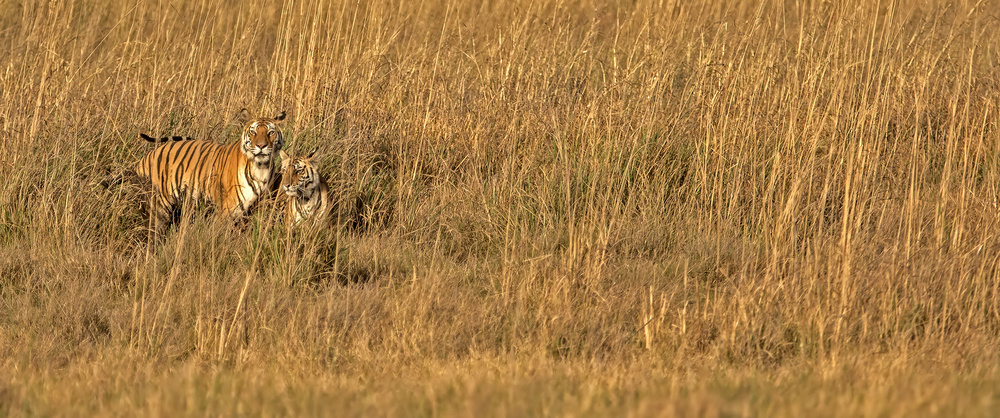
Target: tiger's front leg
[(231, 207), (235, 207)]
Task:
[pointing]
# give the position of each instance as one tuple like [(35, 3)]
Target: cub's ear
[(243, 116), (285, 159), (312, 153), (280, 117)]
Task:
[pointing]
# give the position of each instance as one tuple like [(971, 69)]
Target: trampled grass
[(649, 208)]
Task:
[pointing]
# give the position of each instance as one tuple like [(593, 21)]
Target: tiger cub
[(306, 192), (232, 176)]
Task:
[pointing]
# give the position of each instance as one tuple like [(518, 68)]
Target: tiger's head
[(261, 137), (299, 177)]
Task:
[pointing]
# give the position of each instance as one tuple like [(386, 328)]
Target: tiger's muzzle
[(261, 154), (291, 190)]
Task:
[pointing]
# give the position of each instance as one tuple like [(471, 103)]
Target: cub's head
[(261, 137), (299, 176)]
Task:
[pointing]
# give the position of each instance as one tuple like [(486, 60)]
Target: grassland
[(562, 208)]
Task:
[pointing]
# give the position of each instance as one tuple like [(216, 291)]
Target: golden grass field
[(558, 208)]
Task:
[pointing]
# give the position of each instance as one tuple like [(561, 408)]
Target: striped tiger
[(231, 176), (306, 192)]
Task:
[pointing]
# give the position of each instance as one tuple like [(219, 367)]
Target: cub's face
[(261, 138), (299, 177)]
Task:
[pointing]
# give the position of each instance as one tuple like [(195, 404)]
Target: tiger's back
[(199, 169)]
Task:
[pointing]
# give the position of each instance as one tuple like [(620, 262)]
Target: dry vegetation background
[(546, 208)]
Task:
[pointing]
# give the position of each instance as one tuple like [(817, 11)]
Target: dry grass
[(656, 208)]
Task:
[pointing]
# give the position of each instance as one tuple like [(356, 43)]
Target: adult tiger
[(232, 176), (307, 194)]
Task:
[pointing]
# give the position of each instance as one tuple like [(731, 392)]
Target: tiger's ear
[(312, 153), (280, 117), (243, 116), (285, 159)]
